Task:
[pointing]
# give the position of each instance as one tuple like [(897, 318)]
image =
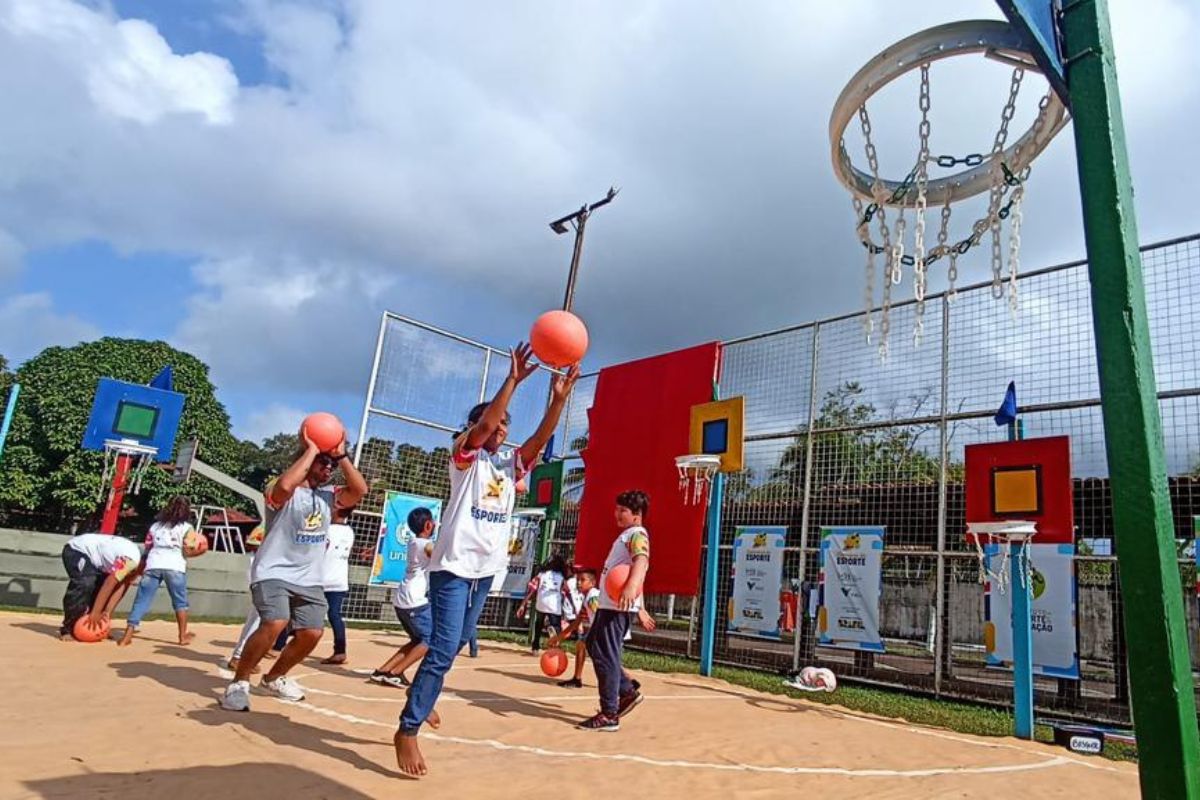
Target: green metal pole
[(1164, 706)]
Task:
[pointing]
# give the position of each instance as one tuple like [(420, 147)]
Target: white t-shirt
[(632, 541), (108, 553), (572, 599), (589, 607), (476, 522), (293, 549), (413, 593), (336, 569), (165, 543), (550, 592)]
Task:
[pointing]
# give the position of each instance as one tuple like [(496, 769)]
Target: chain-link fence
[(834, 436)]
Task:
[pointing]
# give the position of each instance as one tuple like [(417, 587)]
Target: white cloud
[(129, 69), (412, 156), (29, 323), (264, 423)]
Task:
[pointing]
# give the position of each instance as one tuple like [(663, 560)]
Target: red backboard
[(1027, 479)]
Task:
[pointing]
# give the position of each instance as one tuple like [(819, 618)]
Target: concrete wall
[(32, 575)]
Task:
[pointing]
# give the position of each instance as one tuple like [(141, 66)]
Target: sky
[(256, 181)]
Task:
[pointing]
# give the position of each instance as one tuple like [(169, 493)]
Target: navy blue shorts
[(417, 622)]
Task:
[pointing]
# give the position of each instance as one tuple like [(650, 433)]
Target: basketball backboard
[(135, 414), (1038, 23), (717, 429), (1026, 479)]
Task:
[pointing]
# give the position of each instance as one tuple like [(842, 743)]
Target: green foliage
[(260, 463), (848, 451), (44, 467), (403, 468)]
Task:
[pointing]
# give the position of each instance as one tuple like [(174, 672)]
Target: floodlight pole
[(578, 220), (1162, 691)]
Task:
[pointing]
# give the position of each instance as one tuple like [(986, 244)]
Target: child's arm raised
[(356, 485), (281, 489), (521, 368), (560, 390)]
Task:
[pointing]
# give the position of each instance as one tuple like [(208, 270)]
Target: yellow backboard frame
[(731, 411)]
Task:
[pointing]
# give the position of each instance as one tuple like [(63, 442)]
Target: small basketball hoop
[(696, 473), (142, 454), (1003, 534)]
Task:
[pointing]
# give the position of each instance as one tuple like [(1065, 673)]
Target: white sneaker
[(284, 688), (236, 697)]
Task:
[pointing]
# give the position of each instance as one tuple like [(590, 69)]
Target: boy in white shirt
[(337, 579), (100, 568), (473, 544), (411, 602), (606, 639)]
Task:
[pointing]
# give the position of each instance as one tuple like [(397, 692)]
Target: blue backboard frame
[(1037, 20), (118, 402)]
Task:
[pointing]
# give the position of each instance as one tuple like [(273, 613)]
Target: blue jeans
[(417, 622), (176, 587), (456, 603), (336, 622)]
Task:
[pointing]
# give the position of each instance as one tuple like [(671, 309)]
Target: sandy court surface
[(143, 722)]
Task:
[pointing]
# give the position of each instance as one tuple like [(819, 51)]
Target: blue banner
[(755, 607), (391, 549)]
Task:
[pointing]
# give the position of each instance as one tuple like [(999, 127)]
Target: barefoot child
[(411, 602), (100, 568), (473, 544), (606, 639), (286, 573), (165, 563)]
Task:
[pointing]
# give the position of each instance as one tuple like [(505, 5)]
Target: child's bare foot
[(127, 639), (408, 755), (336, 658), (434, 720), (187, 638)]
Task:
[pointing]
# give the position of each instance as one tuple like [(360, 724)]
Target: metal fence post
[(940, 629), (801, 606)]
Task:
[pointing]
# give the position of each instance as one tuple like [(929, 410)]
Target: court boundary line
[(1048, 762)]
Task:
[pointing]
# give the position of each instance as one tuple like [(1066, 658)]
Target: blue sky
[(256, 181)]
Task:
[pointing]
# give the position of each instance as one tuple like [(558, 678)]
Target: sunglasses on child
[(327, 461)]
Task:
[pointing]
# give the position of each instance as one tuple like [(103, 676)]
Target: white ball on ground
[(826, 679)]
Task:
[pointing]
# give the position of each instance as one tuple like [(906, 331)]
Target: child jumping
[(411, 602), (606, 639), (165, 563), (473, 544)]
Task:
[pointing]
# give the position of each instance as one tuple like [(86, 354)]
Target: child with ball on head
[(473, 544), (286, 575), (606, 638)]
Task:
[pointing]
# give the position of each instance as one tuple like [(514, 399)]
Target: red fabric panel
[(637, 424)]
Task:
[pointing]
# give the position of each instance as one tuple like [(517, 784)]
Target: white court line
[(1049, 762), (449, 696), (913, 729), (457, 665)]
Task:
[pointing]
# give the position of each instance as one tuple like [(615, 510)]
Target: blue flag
[(164, 379), (1007, 414)]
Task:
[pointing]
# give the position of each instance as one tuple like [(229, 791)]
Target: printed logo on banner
[(522, 544), (755, 604), (391, 547), (1052, 613), (851, 579)]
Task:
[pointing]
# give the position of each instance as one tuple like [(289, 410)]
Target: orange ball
[(83, 633), (326, 430), (554, 662), (558, 338), (195, 544), (615, 581)]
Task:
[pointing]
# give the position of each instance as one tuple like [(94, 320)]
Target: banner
[(522, 545), (391, 548), (754, 605), (1052, 575), (851, 576)]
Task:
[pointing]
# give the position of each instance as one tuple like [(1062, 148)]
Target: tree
[(260, 463), (44, 466)]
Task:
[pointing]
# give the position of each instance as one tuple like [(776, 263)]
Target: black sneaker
[(571, 683), (628, 702), (377, 676), (600, 722)]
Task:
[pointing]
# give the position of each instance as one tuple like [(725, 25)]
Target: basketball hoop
[(142, 455), (696, 473), (1002, 172), (1003, 535)]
